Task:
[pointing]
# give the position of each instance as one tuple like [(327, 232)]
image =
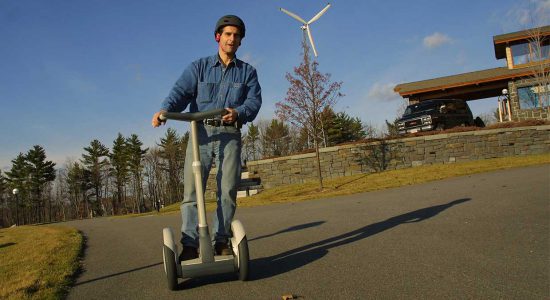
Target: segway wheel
[(170, 267), (243, 259)]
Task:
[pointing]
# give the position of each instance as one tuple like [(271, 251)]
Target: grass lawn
[(38, 262)]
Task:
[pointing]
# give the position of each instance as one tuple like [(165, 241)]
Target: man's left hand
[(231, 117)]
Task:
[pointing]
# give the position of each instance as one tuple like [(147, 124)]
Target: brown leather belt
[(219, 122)]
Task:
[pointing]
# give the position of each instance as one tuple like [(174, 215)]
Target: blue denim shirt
[(206, 84)]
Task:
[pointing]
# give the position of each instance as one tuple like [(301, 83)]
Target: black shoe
[(188, 253), (222, 248)]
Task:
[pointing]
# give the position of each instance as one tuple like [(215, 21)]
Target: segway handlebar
[(198, 116)]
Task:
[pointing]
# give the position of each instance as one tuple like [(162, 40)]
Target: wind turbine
[(305, 26)]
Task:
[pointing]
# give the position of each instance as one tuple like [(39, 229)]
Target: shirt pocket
[(207, 91), (236, 93)]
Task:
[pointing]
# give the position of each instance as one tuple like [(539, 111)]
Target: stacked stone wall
[(371, 157)]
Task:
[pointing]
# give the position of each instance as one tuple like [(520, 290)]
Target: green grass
[(38, 262)]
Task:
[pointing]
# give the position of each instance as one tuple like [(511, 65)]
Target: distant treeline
[(128, 178)]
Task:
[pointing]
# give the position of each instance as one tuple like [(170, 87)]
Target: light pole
[(504, 106), (16, 192)]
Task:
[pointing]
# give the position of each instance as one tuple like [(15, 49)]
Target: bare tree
[(539, 54), (310, 92), (155, 177)]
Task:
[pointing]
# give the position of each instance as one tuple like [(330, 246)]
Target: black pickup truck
[(436, 114)]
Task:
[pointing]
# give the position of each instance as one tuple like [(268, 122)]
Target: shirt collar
[(215, 60)]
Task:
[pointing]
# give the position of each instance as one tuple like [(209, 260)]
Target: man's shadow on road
[(293, 259)]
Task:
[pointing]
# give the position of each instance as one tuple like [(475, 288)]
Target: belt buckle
[(212, 122)]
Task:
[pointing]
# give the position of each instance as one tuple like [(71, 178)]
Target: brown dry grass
[(38, 262)]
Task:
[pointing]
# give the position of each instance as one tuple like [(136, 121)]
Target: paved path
[(483, 236)]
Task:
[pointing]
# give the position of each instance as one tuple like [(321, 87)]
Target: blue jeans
[(221, 145)]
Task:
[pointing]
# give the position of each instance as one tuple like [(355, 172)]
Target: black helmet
[(230, 20)]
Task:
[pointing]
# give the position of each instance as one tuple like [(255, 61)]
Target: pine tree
[(3, 186), (17, 178), (173, 153), (119, 159), (136, 156), (95, 162), (343, 129), (251, 142), (79, 182), (40, 173), (3, 200), (276, 139), (392, 129)]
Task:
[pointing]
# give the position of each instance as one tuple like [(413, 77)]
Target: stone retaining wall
[(403, 153)]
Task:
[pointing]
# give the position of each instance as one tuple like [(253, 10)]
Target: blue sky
[(74, 71)]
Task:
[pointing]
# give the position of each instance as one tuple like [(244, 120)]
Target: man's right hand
[(156, 122)]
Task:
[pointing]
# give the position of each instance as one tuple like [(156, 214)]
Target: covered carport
[(467, 86), (519, 85)]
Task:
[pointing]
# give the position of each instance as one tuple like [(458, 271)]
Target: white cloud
[(533, 13), (542, 12), (383, 92), (248, 58), (437, 39), (136, 69)]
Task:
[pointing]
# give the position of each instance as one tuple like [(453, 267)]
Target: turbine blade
[(317, 16), (293, 15), (311, 41)]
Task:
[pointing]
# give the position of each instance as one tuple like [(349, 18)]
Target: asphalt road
[(483, 236)]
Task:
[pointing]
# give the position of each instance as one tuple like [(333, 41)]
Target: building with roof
[(522, 86)]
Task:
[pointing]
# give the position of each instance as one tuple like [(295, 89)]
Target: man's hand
[(231, 117), (156, 122)]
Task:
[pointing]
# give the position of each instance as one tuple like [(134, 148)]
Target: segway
[(207, 263)]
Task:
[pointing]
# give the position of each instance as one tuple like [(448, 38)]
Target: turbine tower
[(305, 25)]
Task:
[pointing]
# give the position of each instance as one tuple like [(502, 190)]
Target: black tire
[(440, 127), (170, 267), (243, 258)]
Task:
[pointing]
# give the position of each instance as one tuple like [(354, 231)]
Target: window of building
[(531, 52), (534, 96)]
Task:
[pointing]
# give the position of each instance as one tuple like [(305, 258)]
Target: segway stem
[(206, 252)]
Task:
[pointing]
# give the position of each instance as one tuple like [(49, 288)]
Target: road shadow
[(190, 283), (118, 274), (293, 259), (289, 229), (6, 245)]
